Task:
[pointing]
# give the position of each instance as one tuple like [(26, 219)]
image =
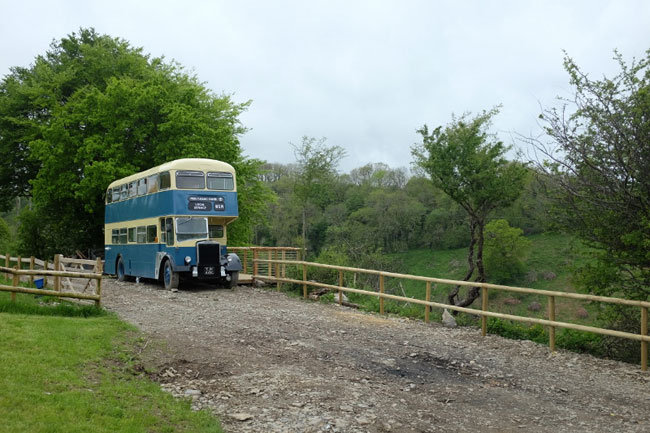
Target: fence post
[(255, 265), (340, 285), (381, 292), (644, 344), (245, 261), (551, 329), (15, 284), (277, 274), (269, 256), (427, 297), (19, 266), (7, 264), (45, 266), (31, 268), (304, 279), (57, 279), (284, 265), (99, 270), (484, 306)]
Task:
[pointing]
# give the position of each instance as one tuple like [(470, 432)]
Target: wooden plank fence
[(62, 277), (484, 312)]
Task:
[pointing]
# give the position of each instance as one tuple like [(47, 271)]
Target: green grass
[(61, 373)]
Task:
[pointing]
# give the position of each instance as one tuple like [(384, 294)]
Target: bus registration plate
[(209, 270)]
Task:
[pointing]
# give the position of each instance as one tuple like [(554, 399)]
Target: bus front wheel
[(170, 278), (119, 269), (234, 279)]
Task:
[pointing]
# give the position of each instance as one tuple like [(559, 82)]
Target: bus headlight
[(188, 260)]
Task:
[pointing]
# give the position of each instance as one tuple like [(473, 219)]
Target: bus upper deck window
[(142, 186), (116, 194), (221, 181), (124, 192), (109, 196), (152, 184), (132, 190), (187, 179), (164, 181)]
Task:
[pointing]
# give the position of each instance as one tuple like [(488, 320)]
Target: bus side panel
[(172, 202), (110, 256)]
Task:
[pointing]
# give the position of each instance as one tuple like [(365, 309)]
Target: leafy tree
[(469, 165), (94, 109), (597, 161), (315, 178), (505, 251)]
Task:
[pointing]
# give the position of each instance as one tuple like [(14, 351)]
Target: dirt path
[(266, 362)]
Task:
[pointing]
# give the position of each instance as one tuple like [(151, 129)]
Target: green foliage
[(5, 236), (94, 109), (505, 252), (315, 177), (462, 161), (600, 177)]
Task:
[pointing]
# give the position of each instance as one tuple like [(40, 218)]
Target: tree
[(469, 165), (505, 251), (94, 109), (598, 160), (315, 177)]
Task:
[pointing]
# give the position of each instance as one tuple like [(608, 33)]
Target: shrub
[(505, 252)]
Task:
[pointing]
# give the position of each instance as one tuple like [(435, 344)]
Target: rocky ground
[(266, 362)]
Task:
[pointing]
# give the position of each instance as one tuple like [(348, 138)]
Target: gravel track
[(267, 362)]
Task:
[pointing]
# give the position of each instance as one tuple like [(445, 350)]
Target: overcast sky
[(363, 74)]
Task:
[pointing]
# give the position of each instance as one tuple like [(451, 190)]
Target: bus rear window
[(221, 181), (190, 179)]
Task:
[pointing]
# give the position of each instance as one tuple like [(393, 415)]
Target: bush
[(505, 252)]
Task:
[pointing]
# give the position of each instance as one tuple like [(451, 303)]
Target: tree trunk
[(451, 297), (473, 293)]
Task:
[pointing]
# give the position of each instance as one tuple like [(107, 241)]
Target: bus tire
[(119, 269), (170, 278), (234, 280)]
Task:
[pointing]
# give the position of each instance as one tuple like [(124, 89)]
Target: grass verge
[(65, 368)]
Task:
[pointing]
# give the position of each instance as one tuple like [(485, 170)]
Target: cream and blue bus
[(170, 222)]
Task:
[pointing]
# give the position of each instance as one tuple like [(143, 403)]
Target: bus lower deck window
[(142, 234), (216, 231), (151, 234)]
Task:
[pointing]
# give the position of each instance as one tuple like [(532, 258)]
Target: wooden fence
[(249, 255), (280, 277), (62, 275)]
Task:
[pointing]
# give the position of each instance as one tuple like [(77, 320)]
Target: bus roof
[(203, 164)]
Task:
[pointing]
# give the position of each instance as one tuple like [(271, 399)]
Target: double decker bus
[(170, 222)]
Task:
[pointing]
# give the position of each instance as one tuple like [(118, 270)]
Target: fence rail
[(248, 255), (484, 312), (62, 275)]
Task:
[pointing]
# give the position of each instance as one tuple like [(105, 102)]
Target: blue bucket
[(38, 282)]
